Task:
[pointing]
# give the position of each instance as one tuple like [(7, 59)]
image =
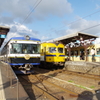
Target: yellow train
[(83, 53), (52, 54)]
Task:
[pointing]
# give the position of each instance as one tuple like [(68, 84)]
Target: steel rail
[(49, 95)]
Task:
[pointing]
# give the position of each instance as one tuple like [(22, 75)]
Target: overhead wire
[(32, 10), (67, 24), (84, 17), (90, 27), (81, 18), (34, 7)]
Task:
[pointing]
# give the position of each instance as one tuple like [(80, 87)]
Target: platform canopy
[(74, 37), (3, 33)]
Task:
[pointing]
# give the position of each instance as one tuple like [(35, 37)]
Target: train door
[(44, 51), (43, 54)]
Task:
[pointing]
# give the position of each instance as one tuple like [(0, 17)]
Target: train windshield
[(52, 49), (60, 50), (19, 48)]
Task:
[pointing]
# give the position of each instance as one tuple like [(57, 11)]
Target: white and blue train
[(22, 53)]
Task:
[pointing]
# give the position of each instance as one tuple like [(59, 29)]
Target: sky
[(50, 19)]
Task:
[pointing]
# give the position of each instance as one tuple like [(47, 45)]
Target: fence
[(11, 79)]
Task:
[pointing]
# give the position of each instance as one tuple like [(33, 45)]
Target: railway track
[(95, 77), (59, 84), (39, 89), (81, 80), (50, 91), (85, 75)]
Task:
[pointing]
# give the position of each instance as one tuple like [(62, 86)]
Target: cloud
[(97, 41), (97, 6), (14, 12), (18, 10), (44, 38), (18, 29), (53, 7), (86, 26)]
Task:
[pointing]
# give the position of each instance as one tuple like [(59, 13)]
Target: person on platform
[(93, 54)]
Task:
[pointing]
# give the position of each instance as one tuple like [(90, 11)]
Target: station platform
[(10, 89), (92, 68)]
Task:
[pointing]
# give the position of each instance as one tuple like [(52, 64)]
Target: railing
[(11, 76)]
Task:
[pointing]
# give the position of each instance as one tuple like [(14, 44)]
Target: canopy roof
[(73, 37)]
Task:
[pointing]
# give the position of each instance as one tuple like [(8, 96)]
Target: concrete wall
[(83, 67)]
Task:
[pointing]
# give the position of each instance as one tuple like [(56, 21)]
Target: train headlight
[(27, 57), (49, 58)]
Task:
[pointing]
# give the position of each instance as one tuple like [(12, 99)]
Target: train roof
[(51, 44), (21, 38), (24, 38)]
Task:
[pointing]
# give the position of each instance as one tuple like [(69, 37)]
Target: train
[(21, 53), (83, 53), (52, 54)]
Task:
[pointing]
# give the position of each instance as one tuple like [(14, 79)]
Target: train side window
[(98, 51)]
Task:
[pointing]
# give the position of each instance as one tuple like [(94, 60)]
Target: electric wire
[(90, 27), (35, 5), (32, 10), (80, 19), (83, 17), (70, 22)]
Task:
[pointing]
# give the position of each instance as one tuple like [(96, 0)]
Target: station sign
[(3, 33), (2, 36)]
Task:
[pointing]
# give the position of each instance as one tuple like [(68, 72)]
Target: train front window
[(60, 50), (19, 48), (52, 49)]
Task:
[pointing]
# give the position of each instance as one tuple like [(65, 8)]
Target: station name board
[(3, 34)]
